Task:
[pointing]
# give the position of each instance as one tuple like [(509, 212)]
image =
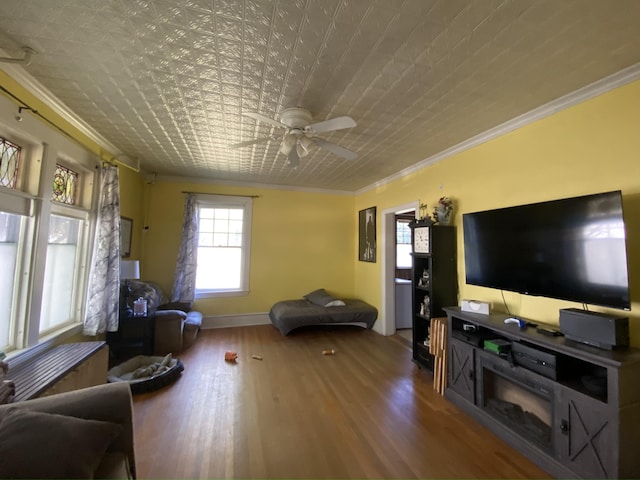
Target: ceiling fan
[(300, 134)]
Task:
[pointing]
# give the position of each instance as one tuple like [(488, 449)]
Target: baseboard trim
[(242, 320)]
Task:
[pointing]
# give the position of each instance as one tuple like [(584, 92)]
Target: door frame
[(388, 303)]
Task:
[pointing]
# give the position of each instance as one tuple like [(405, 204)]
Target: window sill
[(20, 355), (218, 294)]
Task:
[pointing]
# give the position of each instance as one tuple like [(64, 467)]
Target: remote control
[(548, 331)]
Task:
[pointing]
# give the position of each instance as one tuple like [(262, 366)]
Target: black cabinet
[(434, 282), (571, 408), (135, 336)]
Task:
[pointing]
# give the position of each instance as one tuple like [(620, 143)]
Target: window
[(60, 273), (9, 163), (47, 217), (224, 237), (10, 228), (64, 185), (403, 244)]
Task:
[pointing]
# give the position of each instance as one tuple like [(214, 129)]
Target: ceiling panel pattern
[(167, 81)]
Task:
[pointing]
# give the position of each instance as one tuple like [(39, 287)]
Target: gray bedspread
[(288, 315)]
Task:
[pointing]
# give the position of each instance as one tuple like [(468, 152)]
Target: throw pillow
[(322, 298), (45, 445), (335, 303)]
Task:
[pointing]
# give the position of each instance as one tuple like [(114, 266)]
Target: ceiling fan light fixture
[(288, 142), (304, 145)]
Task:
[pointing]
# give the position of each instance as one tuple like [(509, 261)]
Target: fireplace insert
[(520, 400)]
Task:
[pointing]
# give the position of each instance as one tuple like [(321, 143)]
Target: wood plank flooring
[(365, 412)]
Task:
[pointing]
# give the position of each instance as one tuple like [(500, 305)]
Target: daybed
[(320, 308)]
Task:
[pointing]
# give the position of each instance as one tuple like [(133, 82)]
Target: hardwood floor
[(365, 412)]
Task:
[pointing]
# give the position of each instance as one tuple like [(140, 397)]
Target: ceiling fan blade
[(337, 123), (251, 142), (336, 149), (265, 119)]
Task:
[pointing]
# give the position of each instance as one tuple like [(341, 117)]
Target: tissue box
[(476, 306)]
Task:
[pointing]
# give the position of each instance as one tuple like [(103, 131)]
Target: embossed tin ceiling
[(166, 80)]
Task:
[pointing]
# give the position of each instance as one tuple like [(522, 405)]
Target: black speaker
[(600, 330)]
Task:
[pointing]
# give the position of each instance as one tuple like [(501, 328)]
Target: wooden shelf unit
[(434, 286)]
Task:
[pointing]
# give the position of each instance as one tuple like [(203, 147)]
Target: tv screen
[(571, 249)]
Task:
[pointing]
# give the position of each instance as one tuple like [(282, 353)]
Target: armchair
[(176, 325), (85, 433)]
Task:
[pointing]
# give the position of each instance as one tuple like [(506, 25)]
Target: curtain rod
[(222, 194), (25, 106)]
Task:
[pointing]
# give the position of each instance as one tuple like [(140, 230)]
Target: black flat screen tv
[(570, 249)]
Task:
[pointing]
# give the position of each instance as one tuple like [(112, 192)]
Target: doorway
[(388, 249)]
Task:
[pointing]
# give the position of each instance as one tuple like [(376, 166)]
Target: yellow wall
[(132, 206), (300, 241), (592, 147)]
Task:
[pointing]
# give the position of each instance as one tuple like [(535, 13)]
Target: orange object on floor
[(230, 356)]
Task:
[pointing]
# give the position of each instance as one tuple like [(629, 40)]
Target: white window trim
[(42, 148), (222, 201), (81, 275)]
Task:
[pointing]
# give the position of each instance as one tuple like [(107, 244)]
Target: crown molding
[(39, 91), (231, 183), (619, 79)]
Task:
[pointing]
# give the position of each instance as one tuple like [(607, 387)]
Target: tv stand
[(572, 409)]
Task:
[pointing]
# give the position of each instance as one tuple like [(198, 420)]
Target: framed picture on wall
[(126, 229), (367, 235)]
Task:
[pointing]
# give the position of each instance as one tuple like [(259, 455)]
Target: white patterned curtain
[(184, 283), (104, 277)]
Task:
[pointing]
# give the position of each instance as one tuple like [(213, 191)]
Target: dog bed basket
[(146, 373)]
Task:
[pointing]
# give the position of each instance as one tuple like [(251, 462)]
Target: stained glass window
[(65, 183), (9, 162)]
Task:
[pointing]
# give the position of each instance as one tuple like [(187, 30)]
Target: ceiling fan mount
[(295, 117), (300, 134)]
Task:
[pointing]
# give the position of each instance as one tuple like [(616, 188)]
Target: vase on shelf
[(443, 216), (443, 210)]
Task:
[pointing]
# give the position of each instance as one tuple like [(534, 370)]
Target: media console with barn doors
[(571, 408)]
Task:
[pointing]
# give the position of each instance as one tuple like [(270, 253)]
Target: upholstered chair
[(177, 327), (176, 324)]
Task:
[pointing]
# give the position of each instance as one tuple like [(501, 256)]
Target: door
[(461, 368), (586, 434)]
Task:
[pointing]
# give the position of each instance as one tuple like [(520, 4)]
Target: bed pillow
[(46, 445), (322, 298)]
